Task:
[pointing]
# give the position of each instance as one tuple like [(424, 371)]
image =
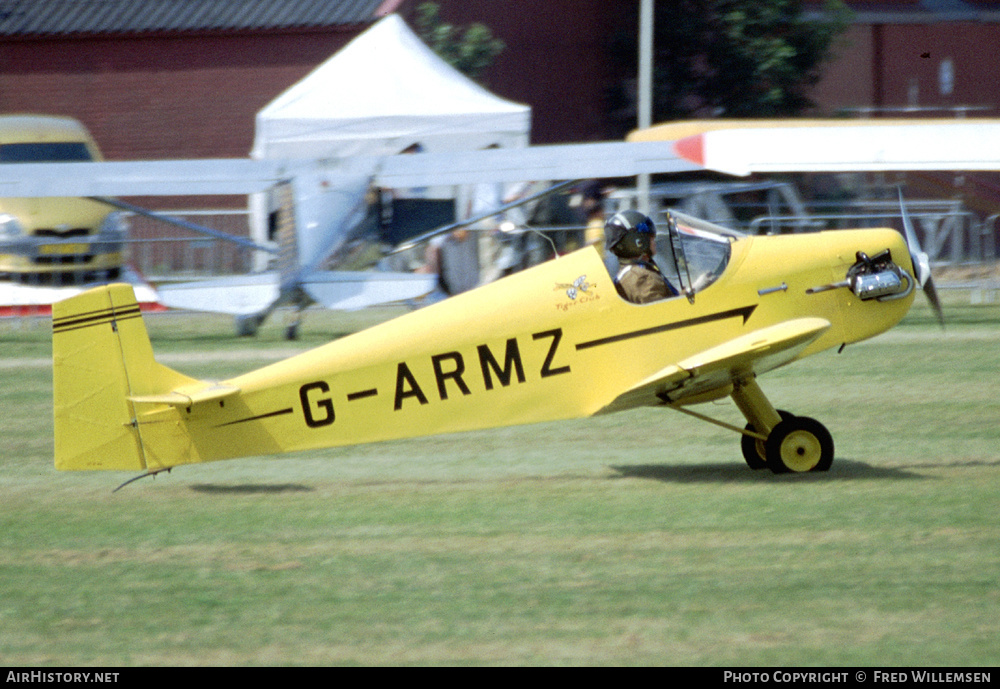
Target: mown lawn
[(635, 539)]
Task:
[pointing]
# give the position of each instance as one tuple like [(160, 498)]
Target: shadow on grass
[(250, 488), (731, 472)]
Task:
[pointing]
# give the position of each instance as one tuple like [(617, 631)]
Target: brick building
[(162, 78), (166, 78)]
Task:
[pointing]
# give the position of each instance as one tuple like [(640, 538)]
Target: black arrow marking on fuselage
[(744, 311), (373, 392), (280, 412)]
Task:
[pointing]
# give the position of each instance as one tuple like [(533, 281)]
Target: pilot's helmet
[(629, 234)]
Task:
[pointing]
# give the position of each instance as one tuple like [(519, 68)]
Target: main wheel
[(799, 444), (753, 449)]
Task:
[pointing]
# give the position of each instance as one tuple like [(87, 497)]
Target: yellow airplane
[(552, 342)]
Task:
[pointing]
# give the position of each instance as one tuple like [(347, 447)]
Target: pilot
[(630, 236)]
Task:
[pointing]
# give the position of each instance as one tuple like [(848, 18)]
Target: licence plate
[(63, 249)]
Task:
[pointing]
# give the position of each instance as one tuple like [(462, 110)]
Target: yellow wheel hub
[(801, 451)]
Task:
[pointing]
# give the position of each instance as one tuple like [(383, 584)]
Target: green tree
[(470, 50), (737, 58)]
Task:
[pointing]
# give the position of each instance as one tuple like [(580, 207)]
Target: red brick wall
[(155, 97), (913, 54), (896, 65), (196, 96)]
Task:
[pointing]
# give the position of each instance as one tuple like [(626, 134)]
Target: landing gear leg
[(292, 324), (755, 448), (790, 444), (761, 417)]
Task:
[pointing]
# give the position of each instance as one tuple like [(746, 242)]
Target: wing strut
[(201, 229), (709, 419), (489, 214)]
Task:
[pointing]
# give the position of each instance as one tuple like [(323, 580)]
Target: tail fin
[(101, 355)]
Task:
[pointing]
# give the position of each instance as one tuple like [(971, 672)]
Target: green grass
[(633, 539)]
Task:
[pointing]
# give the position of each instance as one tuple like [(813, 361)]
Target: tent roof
[(382, 92)]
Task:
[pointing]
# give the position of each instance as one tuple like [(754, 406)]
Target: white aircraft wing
[(247, 295), (239, 295), (555, 162), (765, 146), (351, 290), (244, 176), (841, 146)]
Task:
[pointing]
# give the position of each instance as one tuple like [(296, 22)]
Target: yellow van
[(55, 241)]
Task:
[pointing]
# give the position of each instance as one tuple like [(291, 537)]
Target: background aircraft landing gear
[(248, 325), (292, 323)]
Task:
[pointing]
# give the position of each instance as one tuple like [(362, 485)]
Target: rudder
[(101, 354)]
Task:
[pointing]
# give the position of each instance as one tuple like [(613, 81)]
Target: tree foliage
[(470, 50), (739, 58)]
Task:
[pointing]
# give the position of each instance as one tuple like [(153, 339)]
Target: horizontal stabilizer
[(716, 368), (189, 396), (344, 290), (238, 296)]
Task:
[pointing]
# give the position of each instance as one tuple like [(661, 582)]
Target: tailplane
[(101, 356)]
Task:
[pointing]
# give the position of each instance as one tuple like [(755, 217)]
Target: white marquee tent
[(381, 93)]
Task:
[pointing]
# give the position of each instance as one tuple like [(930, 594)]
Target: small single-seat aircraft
[(553, 342)]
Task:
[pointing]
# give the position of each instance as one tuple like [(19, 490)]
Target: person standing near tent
[(455, 259), (484, 198)]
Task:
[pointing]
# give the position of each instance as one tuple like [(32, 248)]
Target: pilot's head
[(630, 234)]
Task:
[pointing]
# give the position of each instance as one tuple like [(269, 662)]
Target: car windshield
[(699, 254), (48, 152)]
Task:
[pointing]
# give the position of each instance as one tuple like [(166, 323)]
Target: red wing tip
[(691, 148)]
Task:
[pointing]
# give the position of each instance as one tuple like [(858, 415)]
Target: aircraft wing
[(742, 147), (733, 147), (351, 290), (245, 176), (246, 295), (716, 368), (241, 295)]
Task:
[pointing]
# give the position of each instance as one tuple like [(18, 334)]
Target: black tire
[(798, 445), (753, 449)]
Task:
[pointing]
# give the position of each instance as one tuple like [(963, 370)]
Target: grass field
[(635, 539)]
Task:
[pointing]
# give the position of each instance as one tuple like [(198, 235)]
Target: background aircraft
[(330, 193), (322, 211)]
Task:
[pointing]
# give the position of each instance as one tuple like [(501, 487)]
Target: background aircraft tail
[(100, 356)]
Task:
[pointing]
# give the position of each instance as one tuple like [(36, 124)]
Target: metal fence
[(948, 233), (159, 252)]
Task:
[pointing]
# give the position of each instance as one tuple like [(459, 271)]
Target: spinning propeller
[(921, 262)]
